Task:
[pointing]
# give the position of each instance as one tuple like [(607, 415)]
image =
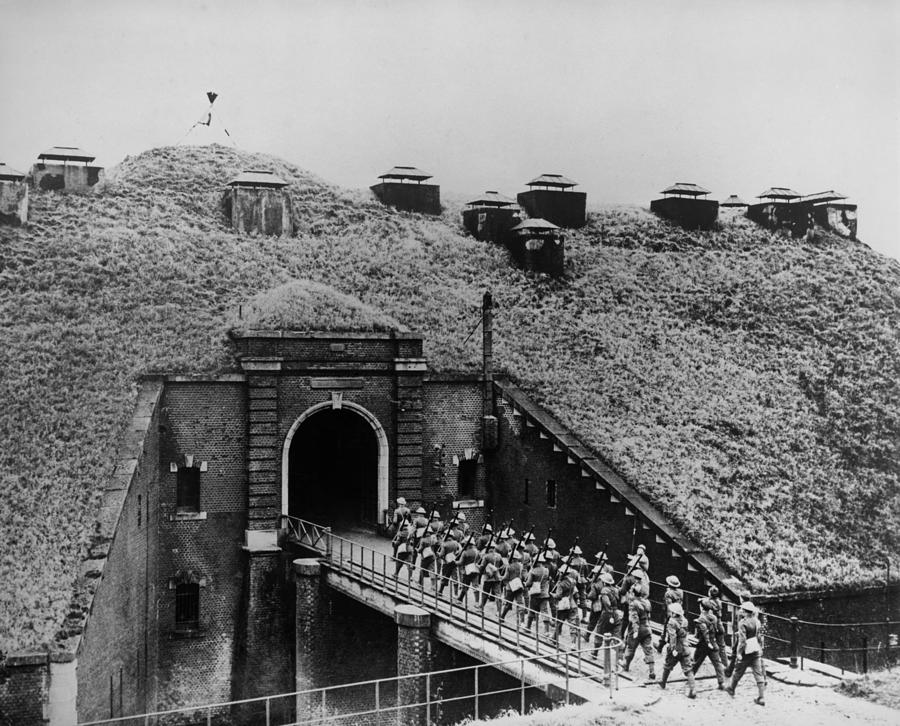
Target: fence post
[(795, 643), (522, 686), (865, 653), (476, 692), (427, 699), (268, 712)]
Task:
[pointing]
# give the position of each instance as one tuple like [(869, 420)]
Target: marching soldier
[(707, 630), (749, 652), (401, 513), (487, 534), (513, 540), (639, 634), (449, 553), (537, 584), (565, 595), (404, 548), (491, 565), (677, 651), (639, 559), (514, 586), (552, 557), (427, 555), (467, 565), (530, 548), (421, 523), (605, 617), (436, 525), (626, 596), (462, 525), (718, 608), (673, 594), (503, 547)]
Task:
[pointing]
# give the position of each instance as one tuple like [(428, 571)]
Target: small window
[(526, 491), (187, 606), (468, 476), (551, 493), (188, 494)]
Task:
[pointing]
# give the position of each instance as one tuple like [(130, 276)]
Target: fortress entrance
[(333, 469)]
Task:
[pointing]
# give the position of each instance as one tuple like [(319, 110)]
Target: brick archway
[(380, 436)]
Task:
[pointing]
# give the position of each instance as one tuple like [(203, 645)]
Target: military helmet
[(673, 581), (401, 501), (488, 528), (607, 579), (576, 550), (748, 606), (461, 516), (421, 510), (713, 591), (551, 544)]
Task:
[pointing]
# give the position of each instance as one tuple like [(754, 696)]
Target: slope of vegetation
[(748, 384)]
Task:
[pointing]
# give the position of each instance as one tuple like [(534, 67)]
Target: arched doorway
[(335, 467)]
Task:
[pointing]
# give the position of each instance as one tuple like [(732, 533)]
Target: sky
[(623, 97)]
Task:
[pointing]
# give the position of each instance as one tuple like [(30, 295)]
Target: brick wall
[(117, 653), (535, 447), (208, 421), (24, 686), (452, 420)]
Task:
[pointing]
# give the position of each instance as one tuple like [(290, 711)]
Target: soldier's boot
[(761, 698), (690, 680), (664, 678), (651, 675)]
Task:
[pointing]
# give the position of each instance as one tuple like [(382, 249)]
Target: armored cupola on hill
[(401, 187), (733, 202), (490, 216), (13, 196), (683, 203), (538, 246), (833, 211), (780, 210), (550, 197), (65, 167), (257, 201)]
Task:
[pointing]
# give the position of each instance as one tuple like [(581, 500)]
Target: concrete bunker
[(13, 196), (257, 201), (550, 197), (401, 187), (781, 211), (65, 167), (681, 203), (336, 461), (491, 216)]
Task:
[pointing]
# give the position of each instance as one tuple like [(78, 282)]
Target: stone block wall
[(13, 202), (564, 209), (67, 177), (422, 198), (837, 217)]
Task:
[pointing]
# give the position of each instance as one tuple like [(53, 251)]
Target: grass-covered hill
[(748, 384)]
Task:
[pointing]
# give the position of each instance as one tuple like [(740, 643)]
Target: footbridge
[(361, 566)]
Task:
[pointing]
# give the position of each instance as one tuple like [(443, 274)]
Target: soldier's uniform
[(673, 594), (462, 525), (639, 631), (749, 652), (552, 557), (605, 617), (565, 595), (530, 547), (467, 566), (626, 596), (491, 565), (706, 627), (503, 547), (485, 537), (449, 555), (514, 586), (640, 560), (404, 547), (677, 650), (436, 525), (427, 557), (718, 608), (420, 522), (401, 513), (537, 585)]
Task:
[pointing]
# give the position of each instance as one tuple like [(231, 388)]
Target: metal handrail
[(321, 693)]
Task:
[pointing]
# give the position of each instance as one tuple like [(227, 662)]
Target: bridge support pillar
[(311, 616), (413, 656)]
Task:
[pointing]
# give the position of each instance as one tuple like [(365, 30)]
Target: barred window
[(551, 493), (187, 606), (187, 497)]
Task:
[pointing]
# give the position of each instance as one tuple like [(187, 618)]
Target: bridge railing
[(435, 697), (309, 534), (385, 572)]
